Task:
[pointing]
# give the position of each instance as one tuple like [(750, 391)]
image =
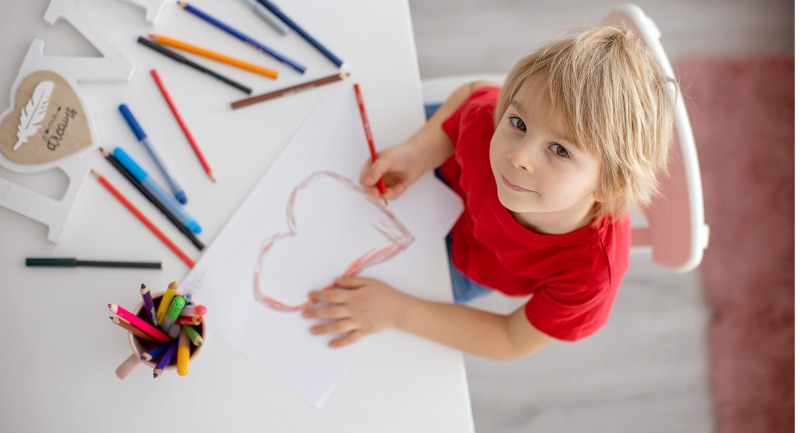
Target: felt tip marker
[(162, 167), (140, 175)]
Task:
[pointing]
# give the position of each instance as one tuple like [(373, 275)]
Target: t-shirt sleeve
[(570, 313), (484, 97)]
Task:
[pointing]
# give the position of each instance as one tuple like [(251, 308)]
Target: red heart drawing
[(335, 229)]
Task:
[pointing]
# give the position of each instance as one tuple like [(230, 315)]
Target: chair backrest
[(673, 227), (675, 231)]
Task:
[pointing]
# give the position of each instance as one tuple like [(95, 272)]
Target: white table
[(59, 350)]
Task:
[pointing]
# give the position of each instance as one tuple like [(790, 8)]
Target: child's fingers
[(337, 327), (396, 190), (351, 282), (346, 340), (333, 296), (334, 312), (376, 171)]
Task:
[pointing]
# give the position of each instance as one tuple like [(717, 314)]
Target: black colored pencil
[(58, 262), (181, 59), (152, 199)]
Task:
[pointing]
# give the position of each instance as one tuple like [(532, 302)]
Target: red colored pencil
[(143, 219), (189, 320), (370, 139), (182, 124), (139, 323)]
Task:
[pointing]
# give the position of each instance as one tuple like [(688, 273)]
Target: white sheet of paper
[(283, 246)]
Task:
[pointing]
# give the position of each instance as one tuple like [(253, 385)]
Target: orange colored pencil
[(182, 124), (370, 139), (143, 219), (213, 55)]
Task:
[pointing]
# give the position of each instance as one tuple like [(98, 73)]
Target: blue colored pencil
[(155, 352), (288, 21), (241, 36), (166, 359), (142, 137)]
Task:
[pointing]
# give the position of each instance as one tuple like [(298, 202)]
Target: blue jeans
[(464, 289)]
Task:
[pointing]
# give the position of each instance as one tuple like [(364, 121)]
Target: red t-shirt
[(573, 277)]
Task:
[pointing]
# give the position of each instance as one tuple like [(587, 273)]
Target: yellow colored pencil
[(183, 354), (213, 55), (166, 300)]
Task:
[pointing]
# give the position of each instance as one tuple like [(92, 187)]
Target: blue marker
[(242, 37), (161, 195), (142, 137)]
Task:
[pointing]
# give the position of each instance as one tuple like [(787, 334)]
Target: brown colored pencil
[(291, 89), (132, 329)]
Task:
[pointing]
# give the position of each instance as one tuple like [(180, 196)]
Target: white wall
[(477, 36)]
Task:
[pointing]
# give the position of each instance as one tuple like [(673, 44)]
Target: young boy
[(548, 168)]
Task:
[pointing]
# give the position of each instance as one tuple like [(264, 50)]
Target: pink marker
[(139, 323), (193, 310)]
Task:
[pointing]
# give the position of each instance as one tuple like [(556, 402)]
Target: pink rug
[(743, 117)]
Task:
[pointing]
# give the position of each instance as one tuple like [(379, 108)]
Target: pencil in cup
[(141, 346)]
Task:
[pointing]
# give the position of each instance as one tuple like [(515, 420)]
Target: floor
[(646, 370)]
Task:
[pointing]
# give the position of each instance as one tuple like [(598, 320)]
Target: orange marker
[(370, 140)]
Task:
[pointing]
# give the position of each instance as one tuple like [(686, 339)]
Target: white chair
[(673, 227)]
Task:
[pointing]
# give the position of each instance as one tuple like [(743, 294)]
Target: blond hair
[(614, 98)]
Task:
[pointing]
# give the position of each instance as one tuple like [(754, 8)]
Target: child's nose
[(521, 158)]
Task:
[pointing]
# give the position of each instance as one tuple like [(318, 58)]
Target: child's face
[(541, 177)]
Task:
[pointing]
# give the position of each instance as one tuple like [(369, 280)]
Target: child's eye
[(559, 150), (518, 123)]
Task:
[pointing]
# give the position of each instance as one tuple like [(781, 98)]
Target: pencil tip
[(211, 175)]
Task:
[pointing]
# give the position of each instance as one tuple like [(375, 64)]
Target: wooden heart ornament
[(335, 229), (48, 122)]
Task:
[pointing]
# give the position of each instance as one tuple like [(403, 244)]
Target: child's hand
[(360, 306), (400, 166)]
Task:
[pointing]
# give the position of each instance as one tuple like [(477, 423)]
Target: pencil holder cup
[(141, 345)]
